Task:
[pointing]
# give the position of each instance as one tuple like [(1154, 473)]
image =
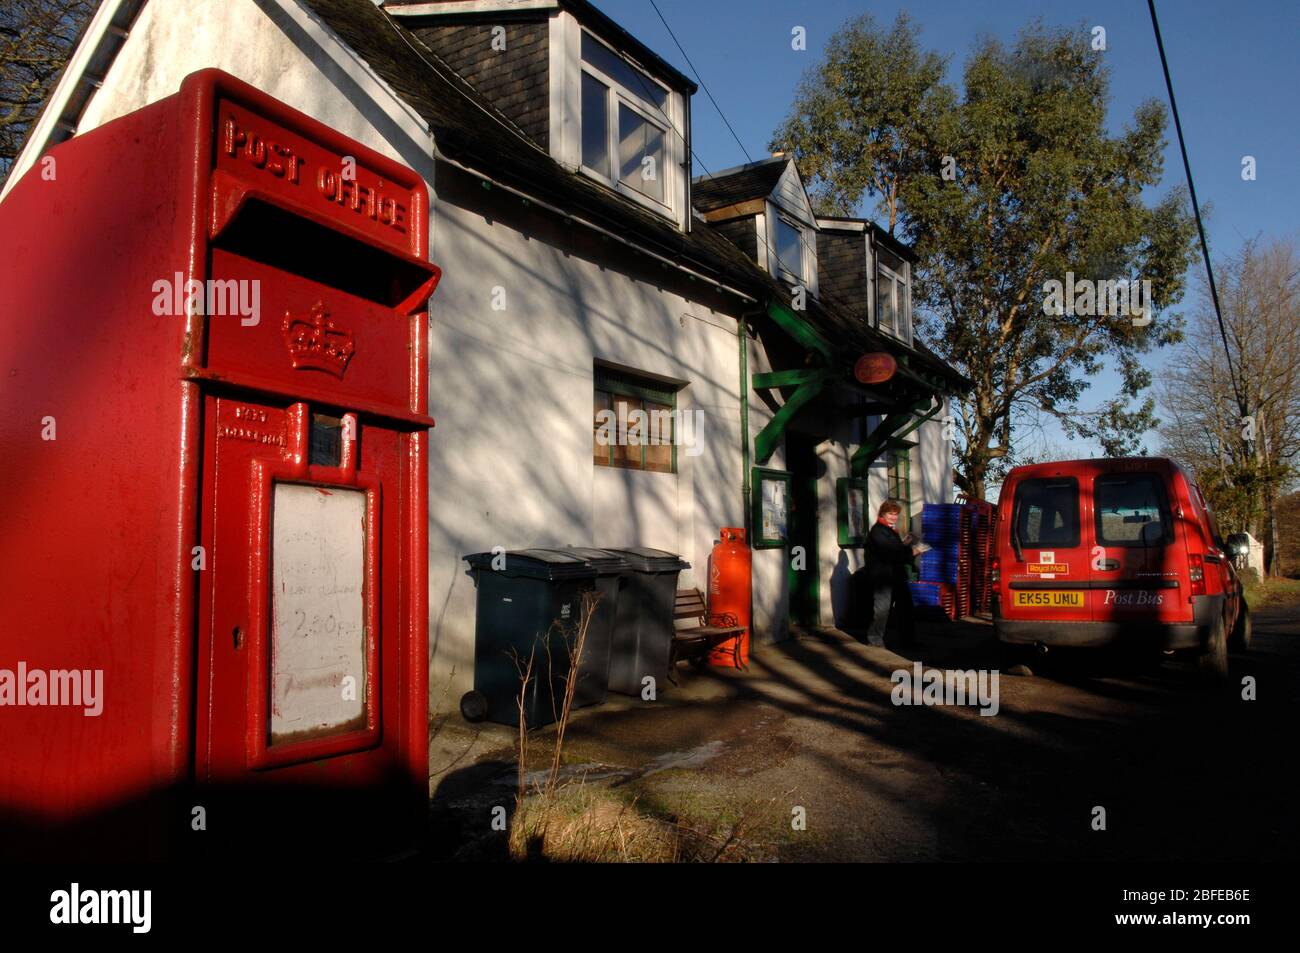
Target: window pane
[(659, 451), (1131, 511), (602, 437), (623, 72), (595, 124), (789, 250), (1047, 513), (856, 517), (630, 433), (885, 301), (637, 140)]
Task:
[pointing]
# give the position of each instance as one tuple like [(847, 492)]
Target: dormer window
[(789, 250), (625, 124), (893, 313), (791, 246)]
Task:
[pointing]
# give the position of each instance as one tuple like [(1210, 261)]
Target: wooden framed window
[(634, 422)]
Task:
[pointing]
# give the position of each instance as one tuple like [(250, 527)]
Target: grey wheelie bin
[(643, 624), (531, 604), (593, 668)]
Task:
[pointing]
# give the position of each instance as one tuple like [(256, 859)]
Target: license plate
[(1049, 599)]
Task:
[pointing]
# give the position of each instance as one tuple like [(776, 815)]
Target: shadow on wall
[(512, 389), (843, 608)]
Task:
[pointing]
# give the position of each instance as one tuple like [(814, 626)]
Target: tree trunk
[(1272, 565)]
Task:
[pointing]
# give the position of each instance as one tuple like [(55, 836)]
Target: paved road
[(1182, 773)]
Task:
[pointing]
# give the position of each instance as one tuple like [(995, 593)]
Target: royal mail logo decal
[(1048, 568), (315, 342)]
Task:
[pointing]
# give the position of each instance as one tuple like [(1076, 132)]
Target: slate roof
[(585, 11), (752, 181)]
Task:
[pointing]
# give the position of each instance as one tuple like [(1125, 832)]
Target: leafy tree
[(861, 120), (1239, 427), (1011, 185)]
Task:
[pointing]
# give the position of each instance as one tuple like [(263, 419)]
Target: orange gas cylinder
[(729, 586)]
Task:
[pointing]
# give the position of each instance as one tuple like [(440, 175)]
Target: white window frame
[(783, 272), (902, 300), (566, 69), (807, 250)]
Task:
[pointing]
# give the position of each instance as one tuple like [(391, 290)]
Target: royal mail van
[(1123, 552)]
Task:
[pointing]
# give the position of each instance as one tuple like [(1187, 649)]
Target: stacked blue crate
[(945, 569)]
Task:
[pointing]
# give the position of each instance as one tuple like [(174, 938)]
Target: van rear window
[(1132, 510), (1047, 513)]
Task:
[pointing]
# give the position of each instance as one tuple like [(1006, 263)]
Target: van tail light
[(995, 570), (1197, 574)]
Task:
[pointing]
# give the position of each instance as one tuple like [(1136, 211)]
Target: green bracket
[(767, 439), (894, 426), (800, 330), (793, 378), (917, 423)]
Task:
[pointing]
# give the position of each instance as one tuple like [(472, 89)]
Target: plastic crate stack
[(982, 556), (934, 600), (946, 569)]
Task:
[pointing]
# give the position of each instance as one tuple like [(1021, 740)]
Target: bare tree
[(36, 39), (1241, 436)]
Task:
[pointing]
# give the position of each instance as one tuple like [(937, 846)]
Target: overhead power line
[(703, 85), (1196, 208)]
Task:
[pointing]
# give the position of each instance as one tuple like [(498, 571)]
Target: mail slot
[(213, 565)]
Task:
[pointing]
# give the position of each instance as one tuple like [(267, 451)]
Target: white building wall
[(769, 567), (836, 564), (510, 460), (932, 462), (277, 47)]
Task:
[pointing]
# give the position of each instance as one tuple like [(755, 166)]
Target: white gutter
[(47, 125), (468, 6)]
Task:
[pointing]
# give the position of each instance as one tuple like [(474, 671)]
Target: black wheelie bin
[(529, 602), (643, 623)]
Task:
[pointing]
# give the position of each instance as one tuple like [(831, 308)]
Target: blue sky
[(1234, 65)]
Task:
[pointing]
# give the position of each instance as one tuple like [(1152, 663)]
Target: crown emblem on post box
[(314, 341)]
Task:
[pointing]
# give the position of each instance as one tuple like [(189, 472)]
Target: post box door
[(299, 613)]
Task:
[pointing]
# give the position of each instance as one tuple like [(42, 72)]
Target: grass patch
[(586, 823), (1273, 592)]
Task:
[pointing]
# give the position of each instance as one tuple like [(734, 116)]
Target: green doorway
[(803, 570)]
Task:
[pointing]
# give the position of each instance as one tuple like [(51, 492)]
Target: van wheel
[(1212, 662), (1240, 641)]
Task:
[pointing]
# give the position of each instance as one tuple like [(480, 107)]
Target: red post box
[(212, 486)]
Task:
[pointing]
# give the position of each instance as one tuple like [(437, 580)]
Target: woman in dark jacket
[(888, 557)]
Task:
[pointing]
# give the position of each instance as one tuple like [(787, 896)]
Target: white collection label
[(318, 611)]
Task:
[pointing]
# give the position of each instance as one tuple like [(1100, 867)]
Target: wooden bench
[(697, 642)]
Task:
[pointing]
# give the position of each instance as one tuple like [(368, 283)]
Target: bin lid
[(642, 559), (606, 562), (552, 564)]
